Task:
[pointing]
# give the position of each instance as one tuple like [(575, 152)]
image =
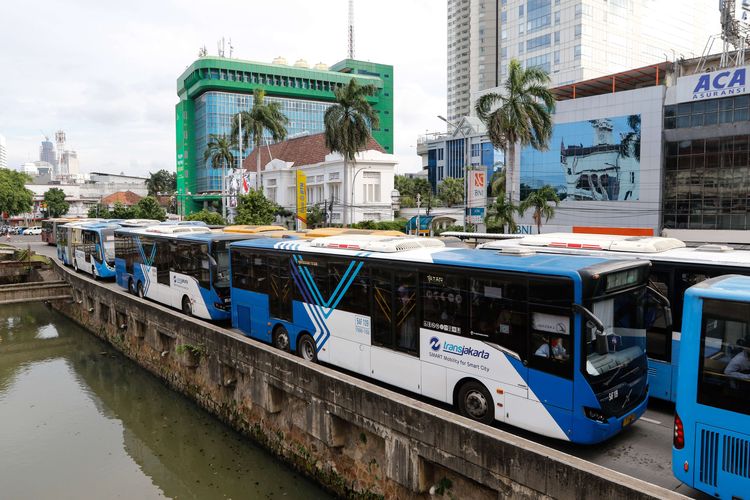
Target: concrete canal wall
[(356, 438)]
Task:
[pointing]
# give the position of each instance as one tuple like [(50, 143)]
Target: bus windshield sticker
[(550, 323)]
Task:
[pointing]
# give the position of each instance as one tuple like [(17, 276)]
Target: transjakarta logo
[(461, 350), (720, 84)]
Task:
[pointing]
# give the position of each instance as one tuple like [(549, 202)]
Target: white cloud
[(106, 72)]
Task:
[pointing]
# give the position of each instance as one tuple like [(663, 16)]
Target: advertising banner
[(301, 199), (592, 160), (721, 83), (477, 199)]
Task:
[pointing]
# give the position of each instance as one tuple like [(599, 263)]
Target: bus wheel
[(75, 265), (475, 402), (131, 287), (281, 338), (93, 272), (306, 348), (141, 293), (187, 310)]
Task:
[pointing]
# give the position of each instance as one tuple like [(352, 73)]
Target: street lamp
[(351, 202), (467, 162)]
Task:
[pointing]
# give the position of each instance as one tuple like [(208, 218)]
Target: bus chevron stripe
[(321, 333)]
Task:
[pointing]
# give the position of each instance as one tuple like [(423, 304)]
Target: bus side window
[(241, 269), (495, 318), (550, 343), (259, 281), (355, 298), (382, 305), (313, 280), (162, 262), (444, 302), (279, 292)]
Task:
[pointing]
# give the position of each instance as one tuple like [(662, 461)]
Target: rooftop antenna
[(351, 29), (220, 47), (231, 48), (734, 37)]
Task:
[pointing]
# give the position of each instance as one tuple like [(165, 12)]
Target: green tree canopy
[(316, 216), (347, 126), (54, 198), (120, 211), (14, 197), (255, 208), (520, 114), (161, 182), (100, 211), (264, 117), (540, 200), (210, 218), (451, 191), (149, 208), (501, 215)]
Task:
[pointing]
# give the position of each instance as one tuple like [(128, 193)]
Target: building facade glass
[(213, 116)]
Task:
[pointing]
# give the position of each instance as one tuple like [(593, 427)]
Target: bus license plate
[(628, 420)]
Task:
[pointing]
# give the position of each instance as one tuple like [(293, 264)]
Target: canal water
[(78, 420)]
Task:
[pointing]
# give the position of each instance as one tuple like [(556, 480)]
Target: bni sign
[(722, 83)]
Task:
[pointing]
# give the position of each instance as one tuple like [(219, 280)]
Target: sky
[(105, 72)]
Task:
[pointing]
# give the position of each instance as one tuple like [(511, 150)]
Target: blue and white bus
[(93, 247), (675, 268), (185, 267), (711, 447), (552, 344)]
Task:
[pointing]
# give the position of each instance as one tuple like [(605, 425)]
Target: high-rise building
[(213, 90), (47, 152), (3, 153), (573, 40)]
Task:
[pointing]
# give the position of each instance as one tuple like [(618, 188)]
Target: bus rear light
[(595, 414), (679, 434)]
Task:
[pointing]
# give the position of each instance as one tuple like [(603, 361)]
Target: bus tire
[(475, 402), (93, 272), (131, 287), (139, 288), (306, 348), (75, 265), (280, 338), (187, 309)]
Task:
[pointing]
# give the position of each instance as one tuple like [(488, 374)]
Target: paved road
[(643, 451)]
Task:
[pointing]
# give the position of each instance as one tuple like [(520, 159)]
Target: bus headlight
[(595, 414)]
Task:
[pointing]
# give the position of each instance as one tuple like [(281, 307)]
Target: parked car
[(32, 230)]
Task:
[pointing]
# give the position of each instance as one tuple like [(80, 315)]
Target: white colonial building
[(361, 193)]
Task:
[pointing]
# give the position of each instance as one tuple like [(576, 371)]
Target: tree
[(14, 197), (316, 216), (523, 117), (497, 184), (451, 191), (262, 118), (347, 126), (539, 200), (149, 208), (210, 218), (100, 211), (255, 208), (54, 198), (120, 211), (502, 213), (161, 182)]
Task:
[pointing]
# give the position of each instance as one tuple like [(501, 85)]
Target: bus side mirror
[(660, 299), (601, 345)]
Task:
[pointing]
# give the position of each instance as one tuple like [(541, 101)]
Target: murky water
[(79, 421)]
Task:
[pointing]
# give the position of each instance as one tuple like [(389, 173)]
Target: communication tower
[(351, 29), (735, 35)]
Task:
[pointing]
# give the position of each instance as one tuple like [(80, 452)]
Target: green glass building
[(213, 89)]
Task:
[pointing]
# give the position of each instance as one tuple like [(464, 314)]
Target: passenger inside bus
[(552, 349), (407, 325), (739, 366)]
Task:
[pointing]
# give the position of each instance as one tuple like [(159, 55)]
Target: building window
[(708, 112), (577, 11), (557, 37), (504, 16), (371, 187), (538, 14), (440, 153), (538, 42), (557, 18), (520, 47), (557, 57), (476, 149), (577, 52), (520, 10), (541, 62), (504, 52), (577, 31)]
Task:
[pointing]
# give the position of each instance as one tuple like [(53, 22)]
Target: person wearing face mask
[(553, 349)]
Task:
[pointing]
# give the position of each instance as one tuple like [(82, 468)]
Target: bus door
[(662, 370), (351, 329), (394, 356), (552, 346)]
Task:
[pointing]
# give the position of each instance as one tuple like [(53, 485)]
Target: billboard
[(593, 160), (722, 83), (301, 181)]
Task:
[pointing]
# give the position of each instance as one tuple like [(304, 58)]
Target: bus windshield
[(220, 257), (625, 334)]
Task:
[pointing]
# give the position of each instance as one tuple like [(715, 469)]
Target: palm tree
[(347, 125), (262, 118), (539, 201), (631, 142), (523, 116), (502, 212), (219, 153)]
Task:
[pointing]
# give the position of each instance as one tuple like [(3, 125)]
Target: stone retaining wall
[(357, 439)]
